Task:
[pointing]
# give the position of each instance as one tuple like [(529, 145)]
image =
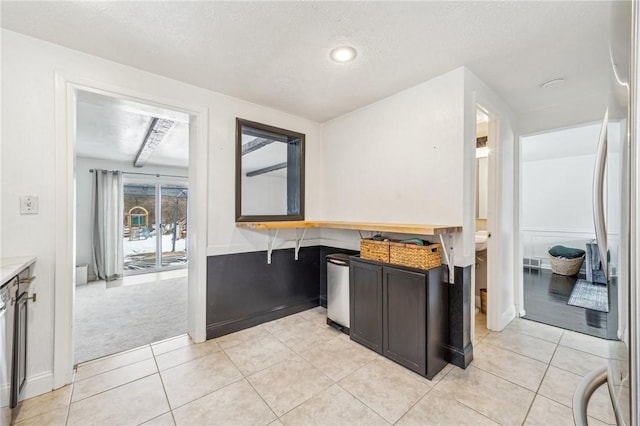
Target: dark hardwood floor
[(545, 300)]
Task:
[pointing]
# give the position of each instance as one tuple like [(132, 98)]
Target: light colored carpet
[(111, 320)]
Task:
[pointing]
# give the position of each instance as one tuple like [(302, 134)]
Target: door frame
[(502, 218), (494, 283), (493, 126), (65, 215)]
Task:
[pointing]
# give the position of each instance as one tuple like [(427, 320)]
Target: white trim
[(64, 235), (197, 212), (37, 385), (575, 231), (518, 233), (494, 220), (507, 316), (65, 88)]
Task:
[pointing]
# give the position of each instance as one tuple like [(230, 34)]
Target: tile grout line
[(305, 360), (95, 361), (192, 359), (334, 382), (508, 381), (346, 390), (208, 393), (475, 410), (73, 385), (361, 401), (367, 405), (414, 404), (502, 378), (535, 396), (248, 381), (164, 389), (528, 334), (205, 395), (521, 354), (118, 386)]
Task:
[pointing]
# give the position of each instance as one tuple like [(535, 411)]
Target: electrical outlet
[(29, 204)]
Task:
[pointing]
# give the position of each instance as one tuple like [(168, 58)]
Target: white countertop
[(12, 266)]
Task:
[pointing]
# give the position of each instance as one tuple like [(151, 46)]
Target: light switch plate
[(29, 204)]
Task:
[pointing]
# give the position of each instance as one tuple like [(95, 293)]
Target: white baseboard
[(5, 391), (38, 385), (478, 302), (506, 317)]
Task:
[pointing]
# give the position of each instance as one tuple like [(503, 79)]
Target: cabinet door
[(366, 304), (404, 315)]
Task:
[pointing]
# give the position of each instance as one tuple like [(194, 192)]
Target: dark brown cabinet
[(401, 313), (365, 310)]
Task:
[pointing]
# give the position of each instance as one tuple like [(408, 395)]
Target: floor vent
[(531, 263)]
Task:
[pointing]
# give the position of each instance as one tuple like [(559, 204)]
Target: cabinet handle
[(25, 297), (27, 280)]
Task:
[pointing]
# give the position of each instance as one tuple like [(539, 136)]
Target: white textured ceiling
[(276, 53), (114, 129)]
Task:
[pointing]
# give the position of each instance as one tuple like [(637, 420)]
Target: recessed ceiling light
[(343, 54), (553, 82)]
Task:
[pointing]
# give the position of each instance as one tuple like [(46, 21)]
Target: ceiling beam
[(255, 144), (267, 169), (259, 133), (158, 129)]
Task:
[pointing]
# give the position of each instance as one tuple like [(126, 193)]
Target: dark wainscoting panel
[(243, 290), (324, 251), (460, 346)]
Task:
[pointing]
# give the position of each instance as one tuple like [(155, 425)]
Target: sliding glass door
[(174, 225), (155, 225)]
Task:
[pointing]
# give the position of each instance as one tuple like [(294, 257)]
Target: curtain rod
[(144, 174)]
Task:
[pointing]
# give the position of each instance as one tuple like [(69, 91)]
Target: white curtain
[(107, 227)]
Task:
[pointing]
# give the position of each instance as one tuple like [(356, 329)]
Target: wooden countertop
[(420, 229)]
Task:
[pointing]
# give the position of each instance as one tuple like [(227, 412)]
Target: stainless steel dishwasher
[(338, 291)]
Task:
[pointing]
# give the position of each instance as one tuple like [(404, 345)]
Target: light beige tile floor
[(298, 371)]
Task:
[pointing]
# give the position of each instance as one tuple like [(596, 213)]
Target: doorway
[(569, 290), (132, 195), (484, 193)]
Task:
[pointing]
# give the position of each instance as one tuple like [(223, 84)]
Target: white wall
[(28, 152), (399, 160), (411, 158), (83, 198)]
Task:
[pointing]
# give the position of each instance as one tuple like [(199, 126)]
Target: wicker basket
[(421, 257), (374, 250), (562, 266)]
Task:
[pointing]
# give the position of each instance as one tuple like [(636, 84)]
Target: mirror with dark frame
[(269, 173)]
